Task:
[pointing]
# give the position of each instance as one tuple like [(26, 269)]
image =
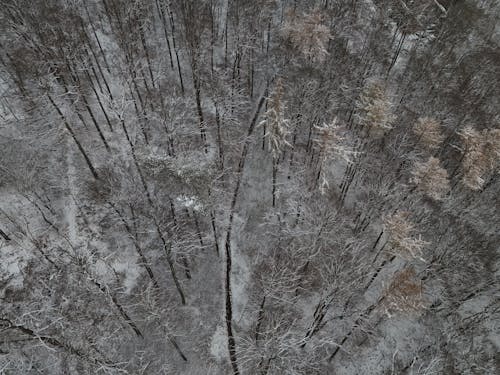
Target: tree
[(275, 123), (333, 145), (375, 110), (137, 233), (308, 35), (404, 294), (276, 129), (428, 133), (430, 178), (401, 240), (481, 155)]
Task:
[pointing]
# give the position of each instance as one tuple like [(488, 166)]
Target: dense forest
[(249, 187)]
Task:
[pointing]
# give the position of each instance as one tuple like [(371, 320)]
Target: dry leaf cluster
[(482, 153), (402, 240), (275, 121), (404, 294), (431, 179), (375, 110), (428, 132), (308, 35), (332, 144)]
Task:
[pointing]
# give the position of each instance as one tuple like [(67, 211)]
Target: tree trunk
[(275, 172), (4, 235), (77, 142), (138, 248), (161, 13), (176, 52)]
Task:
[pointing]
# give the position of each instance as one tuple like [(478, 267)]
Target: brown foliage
[(375, 110), (332, 144), (428, 131), (402, 241), (482, 153), (404, 293), (431, 179), (275, 121), (308, 35)]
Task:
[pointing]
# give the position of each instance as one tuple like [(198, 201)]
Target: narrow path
[(228, 296)]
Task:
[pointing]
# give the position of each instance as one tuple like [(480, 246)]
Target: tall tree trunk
[(161, 13), (167, 247), (77, 142), (275, 172), (138, 248), (4, 235), (219, 138), (176, 52), (98, 98)]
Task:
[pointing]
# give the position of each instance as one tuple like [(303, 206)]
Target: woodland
[(258, 187)]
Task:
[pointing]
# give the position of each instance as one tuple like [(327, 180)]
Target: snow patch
[(190, 202), (130, 270), (218, 346), (13, 262)]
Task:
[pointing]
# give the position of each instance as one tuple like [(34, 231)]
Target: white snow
[(13, 261), (218, 346), (129, 268), (190, 202)]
